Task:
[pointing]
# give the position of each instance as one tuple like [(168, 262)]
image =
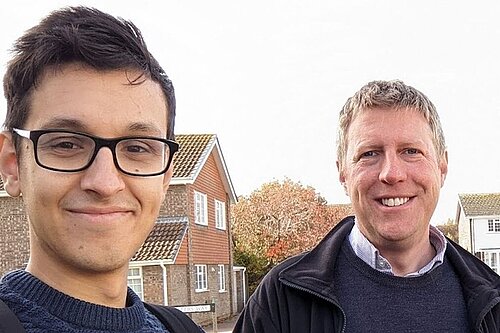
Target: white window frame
[(492, 259), (201, 278), (200, 208), (133, 279), (220, 215), (494, 225), (222, 278)]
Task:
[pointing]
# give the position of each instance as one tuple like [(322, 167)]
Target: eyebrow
[(79, 126), (145, 128), (65, 123)]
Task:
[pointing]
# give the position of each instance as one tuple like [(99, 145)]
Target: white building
[(478, 217)]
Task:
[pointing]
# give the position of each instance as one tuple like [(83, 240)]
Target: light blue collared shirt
[(367, 252)]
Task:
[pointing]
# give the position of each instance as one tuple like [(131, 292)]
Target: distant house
[(478, 217), (187, 257)]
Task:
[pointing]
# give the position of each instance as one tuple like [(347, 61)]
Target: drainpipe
[(165, 292), (244, 286)]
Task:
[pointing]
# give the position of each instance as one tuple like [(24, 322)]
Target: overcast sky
[(269, 77)]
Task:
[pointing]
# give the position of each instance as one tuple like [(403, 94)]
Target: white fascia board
[(149, 263), (227, 178), (181, 181)]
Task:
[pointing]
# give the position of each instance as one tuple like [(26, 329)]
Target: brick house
[(187, 257), (478, 218)]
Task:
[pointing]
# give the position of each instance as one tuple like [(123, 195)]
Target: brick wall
[(14, 235), (222, 299), (175, 203), (152, 279), (177, 285)]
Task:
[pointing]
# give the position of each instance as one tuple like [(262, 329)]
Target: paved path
[(224, 327)]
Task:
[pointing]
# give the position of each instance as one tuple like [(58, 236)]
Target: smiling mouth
[(393, 202)]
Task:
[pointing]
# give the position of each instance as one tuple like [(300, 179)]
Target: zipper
[(329, 300)]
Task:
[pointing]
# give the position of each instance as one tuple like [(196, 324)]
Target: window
[(494, 225), (222, 278), (220, 215), (201, 278), (200, 208), (134, 281), (490, 258)]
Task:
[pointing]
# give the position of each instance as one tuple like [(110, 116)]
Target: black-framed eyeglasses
[(68, 151)]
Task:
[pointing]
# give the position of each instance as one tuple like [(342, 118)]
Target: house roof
[(164, 241), (480, 204), (193, 149), (193, 153)]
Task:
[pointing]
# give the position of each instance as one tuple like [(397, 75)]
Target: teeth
[(391, 202)]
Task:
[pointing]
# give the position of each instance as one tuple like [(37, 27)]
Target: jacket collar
[(314, 271)]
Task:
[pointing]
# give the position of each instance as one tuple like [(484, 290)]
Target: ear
[(342, 178), (9, 167), (167, 177), (443, 167)]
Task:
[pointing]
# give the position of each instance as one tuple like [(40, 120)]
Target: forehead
[(100, 100), (402, 125)]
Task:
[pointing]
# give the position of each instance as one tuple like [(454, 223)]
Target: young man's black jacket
[(297, 295)]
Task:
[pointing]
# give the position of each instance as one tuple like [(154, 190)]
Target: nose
[(102, 176), (392, 170)]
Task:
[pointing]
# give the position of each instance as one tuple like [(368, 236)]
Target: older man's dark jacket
[(297, 295)]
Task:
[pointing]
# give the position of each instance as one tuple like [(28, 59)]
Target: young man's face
[(96, 219), (393, 176)]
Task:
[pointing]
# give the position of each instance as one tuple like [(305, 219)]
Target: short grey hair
[(387, 94)]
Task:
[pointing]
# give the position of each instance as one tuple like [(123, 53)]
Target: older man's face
[(392, 175)]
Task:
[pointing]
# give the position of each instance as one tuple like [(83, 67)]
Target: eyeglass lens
[(69, 151)]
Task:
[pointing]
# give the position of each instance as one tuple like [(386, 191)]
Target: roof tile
[(192, 149), (480, 204), (164, 240)]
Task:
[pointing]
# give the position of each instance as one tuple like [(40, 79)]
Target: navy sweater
[(41, 308), (377, 302)]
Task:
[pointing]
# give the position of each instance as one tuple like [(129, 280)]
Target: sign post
[(201, 308)]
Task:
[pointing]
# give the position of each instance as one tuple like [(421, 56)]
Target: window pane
[(220, 214), (134, 272), (222, 278), (201, 277), (200, 201), (134, 281)]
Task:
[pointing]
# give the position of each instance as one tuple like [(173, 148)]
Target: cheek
[(149, 195), (359, 181)]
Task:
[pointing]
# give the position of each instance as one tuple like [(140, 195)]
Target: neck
[(103, 288), (408, 259)]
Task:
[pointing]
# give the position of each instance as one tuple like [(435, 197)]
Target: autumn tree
[(281, 219), (449, 229)]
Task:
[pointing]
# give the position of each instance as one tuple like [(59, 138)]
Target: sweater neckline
[(75, 311), (389, 279)]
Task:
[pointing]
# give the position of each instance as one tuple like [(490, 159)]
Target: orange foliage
[(282, 219)]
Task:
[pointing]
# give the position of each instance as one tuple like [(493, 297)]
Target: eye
[(61, 143), (64, 145), (370, 153), (142, 146), (137, 147), (412, 151)]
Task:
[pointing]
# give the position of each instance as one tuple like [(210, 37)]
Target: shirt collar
[(367, 252)]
